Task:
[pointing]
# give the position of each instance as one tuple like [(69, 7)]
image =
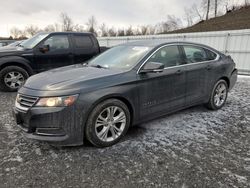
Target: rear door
[(197, 73), (59, 54), (84, 47), (163, 92)]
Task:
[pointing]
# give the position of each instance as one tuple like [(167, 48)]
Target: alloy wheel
[(110, 123), (14, 79), (220, 94)]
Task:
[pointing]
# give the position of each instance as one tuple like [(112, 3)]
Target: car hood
[(75, 77), (8, 51), (13, 51)]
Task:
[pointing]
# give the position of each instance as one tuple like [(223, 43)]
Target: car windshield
[(120, 57), (32, 42)]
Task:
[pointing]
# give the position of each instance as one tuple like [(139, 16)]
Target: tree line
[(195, 13), (66, 23)]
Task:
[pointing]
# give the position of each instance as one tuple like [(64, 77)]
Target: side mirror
[(152, 67), (44, 48)]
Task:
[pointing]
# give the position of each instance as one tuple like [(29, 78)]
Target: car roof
[(68, 32), (161, 42)]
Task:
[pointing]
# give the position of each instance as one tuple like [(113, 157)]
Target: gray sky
[(117, 13)]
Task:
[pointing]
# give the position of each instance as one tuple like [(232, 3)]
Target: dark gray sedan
[(124, 86)]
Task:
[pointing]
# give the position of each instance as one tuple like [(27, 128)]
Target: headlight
[(57, 101)]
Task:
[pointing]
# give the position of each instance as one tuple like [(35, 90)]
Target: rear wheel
[(107, 123), (12, 78), (218, 96)]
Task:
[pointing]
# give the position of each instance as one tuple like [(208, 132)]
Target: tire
[(217, 102), (101, 135), (16, 77)]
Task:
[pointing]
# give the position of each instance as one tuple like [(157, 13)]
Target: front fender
[(127, 94), (17, 61)]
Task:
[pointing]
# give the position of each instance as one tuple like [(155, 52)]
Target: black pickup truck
[(42, 52)]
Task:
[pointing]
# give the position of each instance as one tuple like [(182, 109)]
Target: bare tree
[(174, 22), (162, 27), (31, 30), (197, 12), (215, 7), (104, 30), (208, 9), (57, 27), (111, 32), (23, 35), (78, 28), (50, 28), (137, 31), (188, 16), (151, 30), (129, 31), (66, 21), (120, 32), (144, 29), (15, 32), (92, 24)]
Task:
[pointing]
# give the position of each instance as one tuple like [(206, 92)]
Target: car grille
[(26, 101)]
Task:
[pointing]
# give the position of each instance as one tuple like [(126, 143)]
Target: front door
[(163, 92), (59, 53)]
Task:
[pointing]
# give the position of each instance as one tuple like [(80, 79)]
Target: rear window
[(82, 41), (211, 55), (195, 54)]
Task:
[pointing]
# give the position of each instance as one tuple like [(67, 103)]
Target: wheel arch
[(226, 79), (17, 63), (126, 101)]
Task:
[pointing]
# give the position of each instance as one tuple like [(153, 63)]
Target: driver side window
[(169, 56), (59, 42)]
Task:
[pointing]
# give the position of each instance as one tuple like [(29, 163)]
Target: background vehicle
[(42, 52), (5, 42), (14, 44), (126, 85)]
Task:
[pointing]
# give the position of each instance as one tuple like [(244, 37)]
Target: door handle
[(179, 72)]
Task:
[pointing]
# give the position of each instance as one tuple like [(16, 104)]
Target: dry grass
[(234, 20)]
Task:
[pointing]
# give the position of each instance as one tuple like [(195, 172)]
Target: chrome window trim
[(180, 44)]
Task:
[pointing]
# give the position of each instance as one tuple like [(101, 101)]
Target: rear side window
[(211, 55), (169, 56), (82, 41), (195, 54)]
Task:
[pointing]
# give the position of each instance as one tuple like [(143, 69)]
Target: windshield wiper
[(98, 66)]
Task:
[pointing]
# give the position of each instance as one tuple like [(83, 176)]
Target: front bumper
[(57, 125)]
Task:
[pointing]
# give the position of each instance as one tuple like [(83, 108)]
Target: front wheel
[(218, 96), (12, 78), (107, 123)]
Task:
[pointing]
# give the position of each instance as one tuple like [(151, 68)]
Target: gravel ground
[(192, 148)]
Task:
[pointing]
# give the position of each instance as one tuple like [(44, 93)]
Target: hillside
[(234, 20)]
